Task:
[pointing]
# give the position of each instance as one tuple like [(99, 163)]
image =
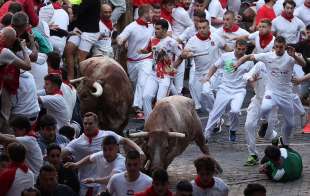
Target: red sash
[(199, 183)]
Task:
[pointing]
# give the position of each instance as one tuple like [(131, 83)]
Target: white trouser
[(153, 86), (138, 72), (179, 78), (224, 97), (285, 105), (251, 122)]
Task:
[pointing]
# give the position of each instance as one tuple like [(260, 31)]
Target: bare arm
[(226, 48), (34, 51), (216, 21), (26, 63), (131, 144), (7, 139), (244, 59), (211, 72), (299, 59), (77, 165)]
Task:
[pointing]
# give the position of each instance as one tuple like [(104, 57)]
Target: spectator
[(4, 161), (205, 182), (88, 143), (24, 135), (132, 180), (254, 190), (17, 176), (69, 92), (68, 132), (23, 103), (284, 164), (65, 176), (48, 185), (184, 188), (54, 101), (48, 134), (31, 192), (108, 162), (27, 6), (159, 185)]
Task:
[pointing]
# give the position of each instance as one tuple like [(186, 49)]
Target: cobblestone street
[(232, 156)]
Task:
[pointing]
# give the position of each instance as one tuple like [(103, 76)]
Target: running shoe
[(251, 161)]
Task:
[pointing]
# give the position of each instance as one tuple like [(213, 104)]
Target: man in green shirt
[(284, 164)]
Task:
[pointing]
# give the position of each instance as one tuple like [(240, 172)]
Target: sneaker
[(275, 141), (252, 160), (262, 130), (232, 136)]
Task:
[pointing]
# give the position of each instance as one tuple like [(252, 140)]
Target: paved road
[(231, 156)]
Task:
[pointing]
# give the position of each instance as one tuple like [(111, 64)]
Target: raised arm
[(211, 71), (7, 139), (244, 59), (77, 165)]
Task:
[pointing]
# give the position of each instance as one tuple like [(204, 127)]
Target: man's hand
[(71, 165), (88, 181), (297, 81), (291, 51), (186, 53), (255, 78), (263, 169)]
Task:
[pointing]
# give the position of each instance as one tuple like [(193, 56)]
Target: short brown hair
[(91, 114), (205, 163), (144, 9), (266, 21), (291, 2)]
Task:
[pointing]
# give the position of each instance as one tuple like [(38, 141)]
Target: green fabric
[(291, 168), (251, 161), (44, 44)]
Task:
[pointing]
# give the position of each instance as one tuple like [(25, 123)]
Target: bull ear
[(176, 134), (139, 134)]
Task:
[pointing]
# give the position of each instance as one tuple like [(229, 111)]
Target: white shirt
[(289, 30), (219, 189), (56, 106), (34, 157), (259, 88), (21, 182), (105, 168), (138, 37), (258, 49), (39, 70), (232, 79), (303, 13), (167, 44), (104, 43), (212, 46), (181, 21), (80, 148), (60, 18), (215, 9), (119, 186), (279, 72), (231, 43), (69, 94), (24, 102)]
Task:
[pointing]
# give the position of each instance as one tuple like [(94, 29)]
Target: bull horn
[(77, 80), (176, 134), (147, 165), (98, 88), (139, 134)]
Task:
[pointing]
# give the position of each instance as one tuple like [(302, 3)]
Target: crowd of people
[(49, 148)]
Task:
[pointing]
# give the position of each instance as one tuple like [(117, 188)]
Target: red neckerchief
[(150, 192), (32, 134), (233, 28), (203, 37), (57, 6), (142, 22), (180, 5), (7, 176), (224, 3), (56, 72), (108, 23), (264, 40), (284, 15), (91, 136), (199, 183), (307, 5), (166, 15)]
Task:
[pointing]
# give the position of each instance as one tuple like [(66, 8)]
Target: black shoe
[(262, 130)]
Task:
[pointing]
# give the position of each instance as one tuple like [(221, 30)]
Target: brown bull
[(170, 128), (105, 90)]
